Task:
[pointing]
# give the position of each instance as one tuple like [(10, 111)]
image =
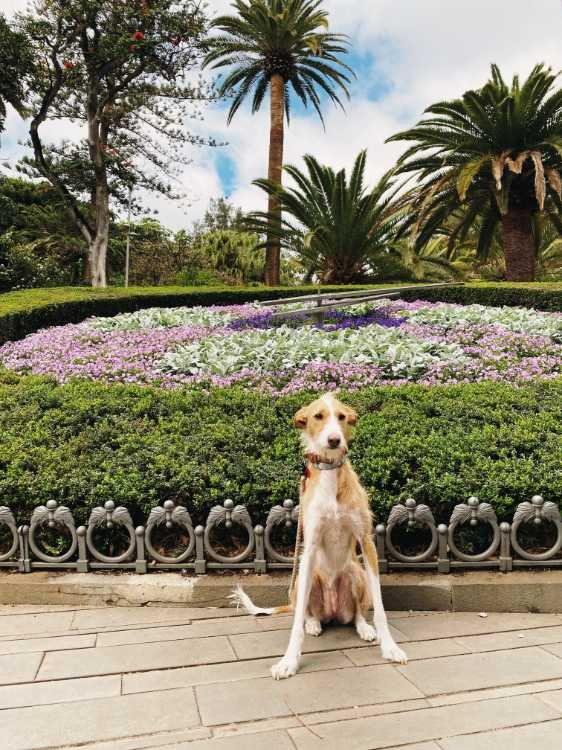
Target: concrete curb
[(521, 591)]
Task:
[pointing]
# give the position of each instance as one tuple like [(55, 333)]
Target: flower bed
[(392, 343)]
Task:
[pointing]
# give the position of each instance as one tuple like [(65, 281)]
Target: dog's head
[(325, 426)]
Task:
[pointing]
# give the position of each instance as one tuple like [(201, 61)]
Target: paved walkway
[(196, 679)]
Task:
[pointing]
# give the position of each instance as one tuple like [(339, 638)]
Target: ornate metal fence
[(198, 550)]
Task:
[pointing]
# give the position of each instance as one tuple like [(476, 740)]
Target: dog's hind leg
[(315, 612), (344, 601), (365, 631), (360, 590)]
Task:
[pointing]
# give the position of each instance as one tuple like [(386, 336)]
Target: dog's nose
[(334, 441)]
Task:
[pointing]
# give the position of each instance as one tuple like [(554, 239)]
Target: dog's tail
[(241, 599)]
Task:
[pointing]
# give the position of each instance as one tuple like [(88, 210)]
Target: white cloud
[(425, 50)]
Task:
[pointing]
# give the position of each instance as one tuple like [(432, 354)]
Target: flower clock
[(282, 351)]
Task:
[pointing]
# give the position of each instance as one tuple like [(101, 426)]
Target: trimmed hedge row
[(24, 312), (545, 296), (83, 444), (27, 311)]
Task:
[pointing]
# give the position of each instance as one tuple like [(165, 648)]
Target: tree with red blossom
[(112, 67)]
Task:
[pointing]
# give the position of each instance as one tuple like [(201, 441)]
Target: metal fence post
[(506, 560), (141, 565), (380, 532), (24, 561), (200, 562), (443, 562), (260, 565), (82, 564)]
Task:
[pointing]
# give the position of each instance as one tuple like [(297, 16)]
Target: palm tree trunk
[(518, 245), (276, 139)]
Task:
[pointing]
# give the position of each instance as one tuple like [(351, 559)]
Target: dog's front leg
[(289, 664), (389, 649)]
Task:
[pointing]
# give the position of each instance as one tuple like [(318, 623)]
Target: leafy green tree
[(33, 219), (336, 226), (15, 63), (231, 255), (221, 215), (282, 47), (493, 157), (122, 71)]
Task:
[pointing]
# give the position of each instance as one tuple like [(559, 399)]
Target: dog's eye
[(341, 417), (318, 416)]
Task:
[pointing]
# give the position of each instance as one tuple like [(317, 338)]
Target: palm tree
[(494, 156), (549, 260), (335, 225), (431, 262), (280, 46)]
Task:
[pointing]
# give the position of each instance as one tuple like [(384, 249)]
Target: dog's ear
[(301, 418), (351, 416)]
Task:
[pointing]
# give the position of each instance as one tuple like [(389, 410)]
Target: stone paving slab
[(61, 665), (61, 643), (169, 679), (443, 625), (61, 691), (423, 650), (265, 741), (116, 617), (199, 629), (477, 671), (274, 642), (56, 726), (259, 699), (425, 724), (471, 696), (147, 741), (545, 736), (28, 609), (36, 623), (19, 668), (516, 639)]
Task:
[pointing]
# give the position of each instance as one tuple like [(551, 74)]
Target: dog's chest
[(334, 523)]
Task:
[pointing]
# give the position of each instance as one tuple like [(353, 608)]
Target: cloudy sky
[(406, 53)]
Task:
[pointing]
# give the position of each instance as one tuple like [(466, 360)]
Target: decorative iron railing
[(23, 548)]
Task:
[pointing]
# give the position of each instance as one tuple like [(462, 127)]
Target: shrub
[(541, 296), (23, 265), (83, 444)]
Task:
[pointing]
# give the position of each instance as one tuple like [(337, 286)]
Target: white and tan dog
[(336, 518)]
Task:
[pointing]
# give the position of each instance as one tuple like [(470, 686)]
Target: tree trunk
[(98, 246), (276, 138), (518, 245)]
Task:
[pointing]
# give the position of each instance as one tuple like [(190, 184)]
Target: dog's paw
[(366, 632), (313, 627), (394, 653), (287, 667)]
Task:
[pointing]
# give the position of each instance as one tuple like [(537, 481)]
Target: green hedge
[(83, 444), (540, 296), (27, 311), (23, 312)]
